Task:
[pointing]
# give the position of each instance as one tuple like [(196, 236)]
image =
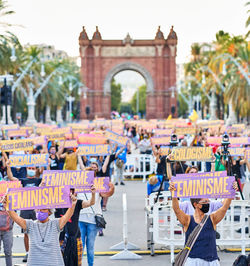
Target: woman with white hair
[(44, 235)]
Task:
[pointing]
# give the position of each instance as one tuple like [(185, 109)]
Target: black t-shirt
[(236, 169), (54, 164), (161, 167), (101, 173), (19, 173), (71, 227), (30, 182)]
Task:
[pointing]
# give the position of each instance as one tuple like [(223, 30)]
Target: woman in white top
[(87, 221)]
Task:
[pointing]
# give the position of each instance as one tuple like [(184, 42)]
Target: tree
[(125, 107), (116, 95), (142, 100)]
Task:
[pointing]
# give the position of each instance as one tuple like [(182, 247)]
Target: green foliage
[(182, 106), (125, 107), (116, 95), (142, 100)]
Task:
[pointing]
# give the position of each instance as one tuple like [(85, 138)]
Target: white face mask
[(31, 172)]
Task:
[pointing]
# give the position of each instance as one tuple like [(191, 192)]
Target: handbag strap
[(90, 206), (195, 233)]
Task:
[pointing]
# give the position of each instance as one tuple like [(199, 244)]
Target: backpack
[(119, 163), (242, 260), (6, 223)]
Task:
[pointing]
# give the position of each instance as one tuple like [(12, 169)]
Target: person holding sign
[(204, 250), (43, 235)]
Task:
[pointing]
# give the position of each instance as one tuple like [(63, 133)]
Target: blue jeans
[(88, 235)]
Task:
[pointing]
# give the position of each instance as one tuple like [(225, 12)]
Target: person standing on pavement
[(30, 181), (6, 234), (120, 164), (70, 238), (43, 235), (204, 250), (87, 221)]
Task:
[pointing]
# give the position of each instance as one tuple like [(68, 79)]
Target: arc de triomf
[(154, 59)]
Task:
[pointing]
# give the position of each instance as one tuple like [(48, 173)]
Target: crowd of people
[(62, 240)]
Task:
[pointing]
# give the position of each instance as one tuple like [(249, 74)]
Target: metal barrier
[(139, 165), (166, 226), (125, 254)]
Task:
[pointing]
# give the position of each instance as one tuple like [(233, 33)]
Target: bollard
[(125, 254)]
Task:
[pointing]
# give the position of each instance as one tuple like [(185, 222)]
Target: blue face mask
[(31, 173)]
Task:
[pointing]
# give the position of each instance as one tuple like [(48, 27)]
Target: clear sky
[(59, 22)]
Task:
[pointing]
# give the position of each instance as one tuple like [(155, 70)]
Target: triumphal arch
[(154, 59)]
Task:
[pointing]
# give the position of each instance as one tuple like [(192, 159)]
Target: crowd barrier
[(166, 229), (125, 246), (139, 165)]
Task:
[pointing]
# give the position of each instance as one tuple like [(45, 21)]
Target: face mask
[(31, 173), (205, 208), (42, 216), (52, 152)]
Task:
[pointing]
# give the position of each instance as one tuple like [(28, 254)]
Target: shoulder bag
[(182, 256)]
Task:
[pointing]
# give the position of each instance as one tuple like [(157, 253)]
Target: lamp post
[(137, 101), (70, 99)]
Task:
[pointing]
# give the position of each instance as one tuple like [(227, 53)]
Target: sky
[(59, 22)]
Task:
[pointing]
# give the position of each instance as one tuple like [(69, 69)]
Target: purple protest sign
[(30, 198), (101, 184), (73, 179), (204, 185)]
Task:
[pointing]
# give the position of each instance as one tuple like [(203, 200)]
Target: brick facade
[(153, 59)]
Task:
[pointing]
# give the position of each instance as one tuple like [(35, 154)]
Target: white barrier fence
[(167, 230), (139, 165), (125, 246)]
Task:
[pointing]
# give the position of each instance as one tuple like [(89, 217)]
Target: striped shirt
[(44, 248)]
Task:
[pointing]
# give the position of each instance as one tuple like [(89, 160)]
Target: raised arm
[(81, 162), (181, 216), (9, 172), (217, 216), (110, 193), (86, 204), (17, 219), (61, 148), (105, 164), (64, 219)]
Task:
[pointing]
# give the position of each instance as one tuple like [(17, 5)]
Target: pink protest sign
[(30, 198), (204, 185), (5, 185)]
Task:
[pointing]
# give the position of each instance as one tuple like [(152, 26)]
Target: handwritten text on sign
[(116, 138), (17, 145), (28, 160), (68, 178), (93, 150), (192, 154), (4, 185), (30, 198), (200, 186)]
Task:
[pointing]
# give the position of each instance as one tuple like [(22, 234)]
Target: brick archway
[(128, 66), (153, 59)]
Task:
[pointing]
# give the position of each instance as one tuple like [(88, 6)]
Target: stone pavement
[(136, 191)]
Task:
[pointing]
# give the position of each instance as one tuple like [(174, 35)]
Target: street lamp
[(70, 99)]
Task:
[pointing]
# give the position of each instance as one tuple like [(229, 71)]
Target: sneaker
[(104, 209), (122, 183), (25, 258), (101, 232), (116, 183)]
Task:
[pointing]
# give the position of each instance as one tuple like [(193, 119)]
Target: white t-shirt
[(87, 215)]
